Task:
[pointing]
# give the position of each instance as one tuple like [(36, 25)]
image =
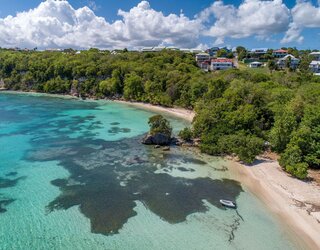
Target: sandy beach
[(178, 112), (296, 203)]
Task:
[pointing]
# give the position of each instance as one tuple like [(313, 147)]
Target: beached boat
[(228, 203)]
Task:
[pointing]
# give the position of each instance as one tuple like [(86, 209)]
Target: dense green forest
[(240, 112)]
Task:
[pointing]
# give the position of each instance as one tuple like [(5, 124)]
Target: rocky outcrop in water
[(157, 139)]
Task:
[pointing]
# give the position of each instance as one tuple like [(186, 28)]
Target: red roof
[(222, 60), (205, 62), (281, 51)]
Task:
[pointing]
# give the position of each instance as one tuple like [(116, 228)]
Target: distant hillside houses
[(288, 61), (202, 57), (260, 51), (215, 59), (280, 53), (256, 65), (160, 48), (222, 64), (315, 56), (314, 66), (213, 52)]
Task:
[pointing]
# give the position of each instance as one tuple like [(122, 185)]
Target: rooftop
[(281, 51), (315, 53), (315, 63), (222, 60)]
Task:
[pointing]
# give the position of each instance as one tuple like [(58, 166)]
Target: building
[(147, 49), (280, 53), (315, 67), (259, 51), (201, 57), (186, 50), (157, 49), (282, 62), (256, 65), (204, 65), (315, 56), (221, 64), (195, 51)]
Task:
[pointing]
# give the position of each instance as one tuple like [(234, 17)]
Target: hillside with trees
[(240, 112)]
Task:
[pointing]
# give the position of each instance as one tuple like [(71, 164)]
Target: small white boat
[(228, 203)]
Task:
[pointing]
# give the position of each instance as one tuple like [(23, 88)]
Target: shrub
[(246, 147), (158, 124), (299, 170), (185, 134)]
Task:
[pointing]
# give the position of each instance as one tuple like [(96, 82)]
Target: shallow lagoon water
[(73, 175)]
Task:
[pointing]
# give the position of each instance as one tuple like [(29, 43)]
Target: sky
[(133, 24)]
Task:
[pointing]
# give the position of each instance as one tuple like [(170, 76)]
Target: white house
[(196, 51), (201, 57), (315, 67), (147, 49), (186, 50), (282, 62), (255, 65), (221, 64), (315, 56), (259, 51), (157, 49), (280, 53)]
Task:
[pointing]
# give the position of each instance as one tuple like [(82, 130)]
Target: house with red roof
[(221, 64), (279, 53)]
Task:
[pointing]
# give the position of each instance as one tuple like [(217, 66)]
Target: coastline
[(294, 202), (177, 112)]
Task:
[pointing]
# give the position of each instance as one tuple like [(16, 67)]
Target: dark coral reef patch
[(106, 182)]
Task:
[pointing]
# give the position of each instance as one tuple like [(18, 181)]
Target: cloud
[(150, 27), (293, 34), (252, 18), (93, 5), (304, 15), (57, 24)]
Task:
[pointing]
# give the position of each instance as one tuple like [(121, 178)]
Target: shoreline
[(295, 203), (177, 112)]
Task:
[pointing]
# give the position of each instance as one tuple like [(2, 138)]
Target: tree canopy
[(158, 124)]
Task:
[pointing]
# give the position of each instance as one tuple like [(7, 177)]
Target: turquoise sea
[(74, 175)]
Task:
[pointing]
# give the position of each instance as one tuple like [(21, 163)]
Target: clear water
[(73, 175)]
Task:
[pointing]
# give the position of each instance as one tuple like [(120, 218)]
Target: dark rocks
[(166, 149), (157, 139)]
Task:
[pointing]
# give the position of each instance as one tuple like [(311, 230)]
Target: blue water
[(74, 175)]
